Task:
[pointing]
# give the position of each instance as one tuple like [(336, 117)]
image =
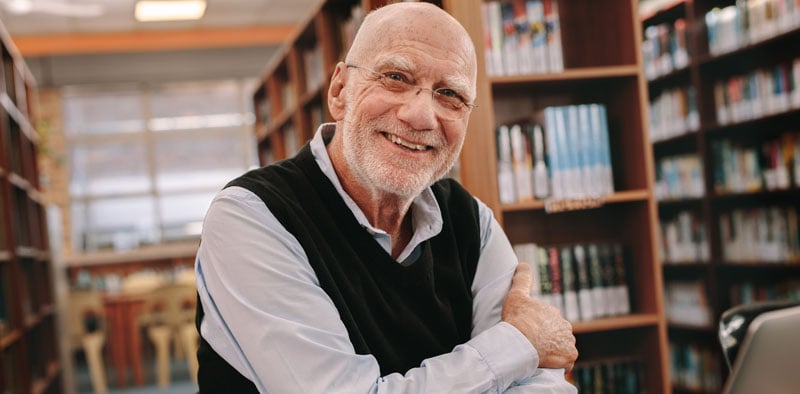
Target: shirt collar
[(426, 217)]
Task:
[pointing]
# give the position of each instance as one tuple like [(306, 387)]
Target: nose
[(419, 110)]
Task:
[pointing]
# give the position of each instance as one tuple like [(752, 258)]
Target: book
[(523, 32), (555, 61), (585, 300), (521, 163), (505, 166), (488, 52), (538, 31), (541, 180), (553, 154), (496, 33), (545, 281), (599, 295), (510, 40), (556, 285), (620, 289), (570, 290)]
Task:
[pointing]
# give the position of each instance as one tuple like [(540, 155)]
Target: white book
[(575, 151), (487, 39), (556, 166), (496, 29), (538, 31), (599, 127), (505, 171), (521, 161), (590, 166), (554, 51), (510, 41), (563, 153), (541, 182)]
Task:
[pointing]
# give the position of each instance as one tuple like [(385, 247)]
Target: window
[(146, 160)]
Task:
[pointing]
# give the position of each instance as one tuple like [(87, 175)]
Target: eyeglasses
[(450, 105)]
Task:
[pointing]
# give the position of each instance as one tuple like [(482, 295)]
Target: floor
[(180, 382)]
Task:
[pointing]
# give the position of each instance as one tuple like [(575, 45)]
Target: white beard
[(394, 175)]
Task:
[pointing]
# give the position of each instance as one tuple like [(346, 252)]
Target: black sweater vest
[(399, 314)]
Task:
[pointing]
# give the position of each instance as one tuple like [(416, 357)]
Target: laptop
[(768, 360)]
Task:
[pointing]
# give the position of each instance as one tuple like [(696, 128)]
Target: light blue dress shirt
[(267, 316)]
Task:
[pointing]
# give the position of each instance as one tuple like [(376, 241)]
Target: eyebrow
[(402, 63)]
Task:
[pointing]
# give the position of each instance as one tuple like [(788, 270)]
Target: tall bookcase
[(29, 357), (603, 64), (726, 129)]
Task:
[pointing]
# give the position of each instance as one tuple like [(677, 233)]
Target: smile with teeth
[(406, 144)]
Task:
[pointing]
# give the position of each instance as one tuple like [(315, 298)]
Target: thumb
[(522, 280)]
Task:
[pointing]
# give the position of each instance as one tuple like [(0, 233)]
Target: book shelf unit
[(29, 360), (602, 64), (730, 196)]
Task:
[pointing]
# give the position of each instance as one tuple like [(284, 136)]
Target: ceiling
[(117, 16)]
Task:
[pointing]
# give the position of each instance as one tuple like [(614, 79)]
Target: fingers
[(522, 280)]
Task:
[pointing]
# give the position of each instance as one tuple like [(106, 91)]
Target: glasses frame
[(466, 107)]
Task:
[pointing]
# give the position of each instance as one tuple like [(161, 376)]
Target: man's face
[(402, 146)]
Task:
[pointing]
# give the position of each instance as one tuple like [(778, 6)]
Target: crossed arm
[(268, 317)]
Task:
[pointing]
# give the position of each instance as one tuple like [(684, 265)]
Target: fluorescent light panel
[(173, 10)]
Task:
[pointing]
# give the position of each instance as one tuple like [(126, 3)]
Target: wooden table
[(124, 343)]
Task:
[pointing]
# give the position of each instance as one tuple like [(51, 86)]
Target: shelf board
[(9, 338), (688, 266), (52, 371), (569, 75), (650, 8), (679, 201), (616, 323), (5, 255), (750, 123), (18, 117), (691, 327), (663, 79), (687, 137), (759, 196), (759, 265), (705, 60), (616, 198)]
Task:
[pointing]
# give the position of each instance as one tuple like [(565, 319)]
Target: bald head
[(421, 22)]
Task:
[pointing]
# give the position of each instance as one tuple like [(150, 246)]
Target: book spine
[(600, 299), (538, 53), (554, 51), (505, 169), (585, 300), (521, 160), (555, 280), (571, 309), (541, 181)]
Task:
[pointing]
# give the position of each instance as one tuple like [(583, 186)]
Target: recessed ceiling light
[(169, 10)]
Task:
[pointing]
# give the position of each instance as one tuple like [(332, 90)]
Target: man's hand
[(540, 322)]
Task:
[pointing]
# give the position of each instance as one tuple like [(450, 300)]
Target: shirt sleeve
[(267, 316), (496, 267)]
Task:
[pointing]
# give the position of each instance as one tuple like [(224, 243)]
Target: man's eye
[(395, 77), (448, 93)]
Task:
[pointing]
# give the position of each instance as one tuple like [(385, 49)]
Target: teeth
[(397, 140)]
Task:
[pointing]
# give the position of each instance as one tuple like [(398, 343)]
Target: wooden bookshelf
[(719, 273), (29, 357), (602, 64)]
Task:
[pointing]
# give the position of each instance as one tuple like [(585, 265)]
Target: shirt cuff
[(509, 355)]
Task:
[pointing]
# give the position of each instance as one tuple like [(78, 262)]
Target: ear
[(336, 99)]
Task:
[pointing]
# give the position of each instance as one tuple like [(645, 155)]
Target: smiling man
[(353, 267)]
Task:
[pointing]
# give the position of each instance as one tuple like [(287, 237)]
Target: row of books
[(584, 281), (686, 302), (683, 239), (568, 156), (695, 366), (350, 25), (761, 234), (760, 93), (679, 177), (522, 37), (749, 22), (747, 292), (313, 66), (772, 165), (612, 376), (673, 113), (664, 48)]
